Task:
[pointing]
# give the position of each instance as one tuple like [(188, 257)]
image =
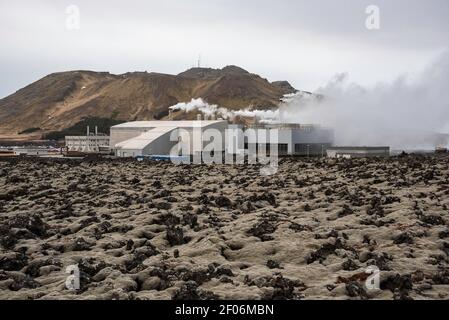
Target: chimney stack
[(96, 130), (88, 131)]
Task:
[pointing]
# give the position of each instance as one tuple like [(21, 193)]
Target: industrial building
[(90, 143), (292, 139), (30, 151), (36, 151), (144, 138), (358, 152), (141, 138)]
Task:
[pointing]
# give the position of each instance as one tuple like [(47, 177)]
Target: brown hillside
[(60, 100)]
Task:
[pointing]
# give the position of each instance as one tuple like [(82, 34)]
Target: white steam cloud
[(201, 106), (403, 114), (212, 110)]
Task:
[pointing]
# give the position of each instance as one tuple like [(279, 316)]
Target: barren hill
[(60, 100)]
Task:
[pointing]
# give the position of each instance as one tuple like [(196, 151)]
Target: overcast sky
[(304, 42)]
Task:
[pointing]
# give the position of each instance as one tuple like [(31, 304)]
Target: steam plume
[(404, 114), (214, 110)]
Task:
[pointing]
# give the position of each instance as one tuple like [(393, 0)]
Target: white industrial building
[(291, 139), (90, 143), (358, 152), (141, 138), (35, 151), (145, 138)]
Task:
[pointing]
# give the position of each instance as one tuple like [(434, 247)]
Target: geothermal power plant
[(191, 137), (142, 138)]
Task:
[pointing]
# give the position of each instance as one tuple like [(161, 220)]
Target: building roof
[(87, 137), (171, 124), (144, 139), (283, 125), (358, 148)]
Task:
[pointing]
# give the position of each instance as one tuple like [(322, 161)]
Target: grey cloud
[(305, 42)]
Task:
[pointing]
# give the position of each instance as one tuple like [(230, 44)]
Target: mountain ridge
[(60, 100)]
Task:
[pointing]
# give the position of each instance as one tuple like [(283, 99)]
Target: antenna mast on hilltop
[(199, 61)]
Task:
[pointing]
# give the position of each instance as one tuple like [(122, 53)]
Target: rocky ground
[(158, 231)]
